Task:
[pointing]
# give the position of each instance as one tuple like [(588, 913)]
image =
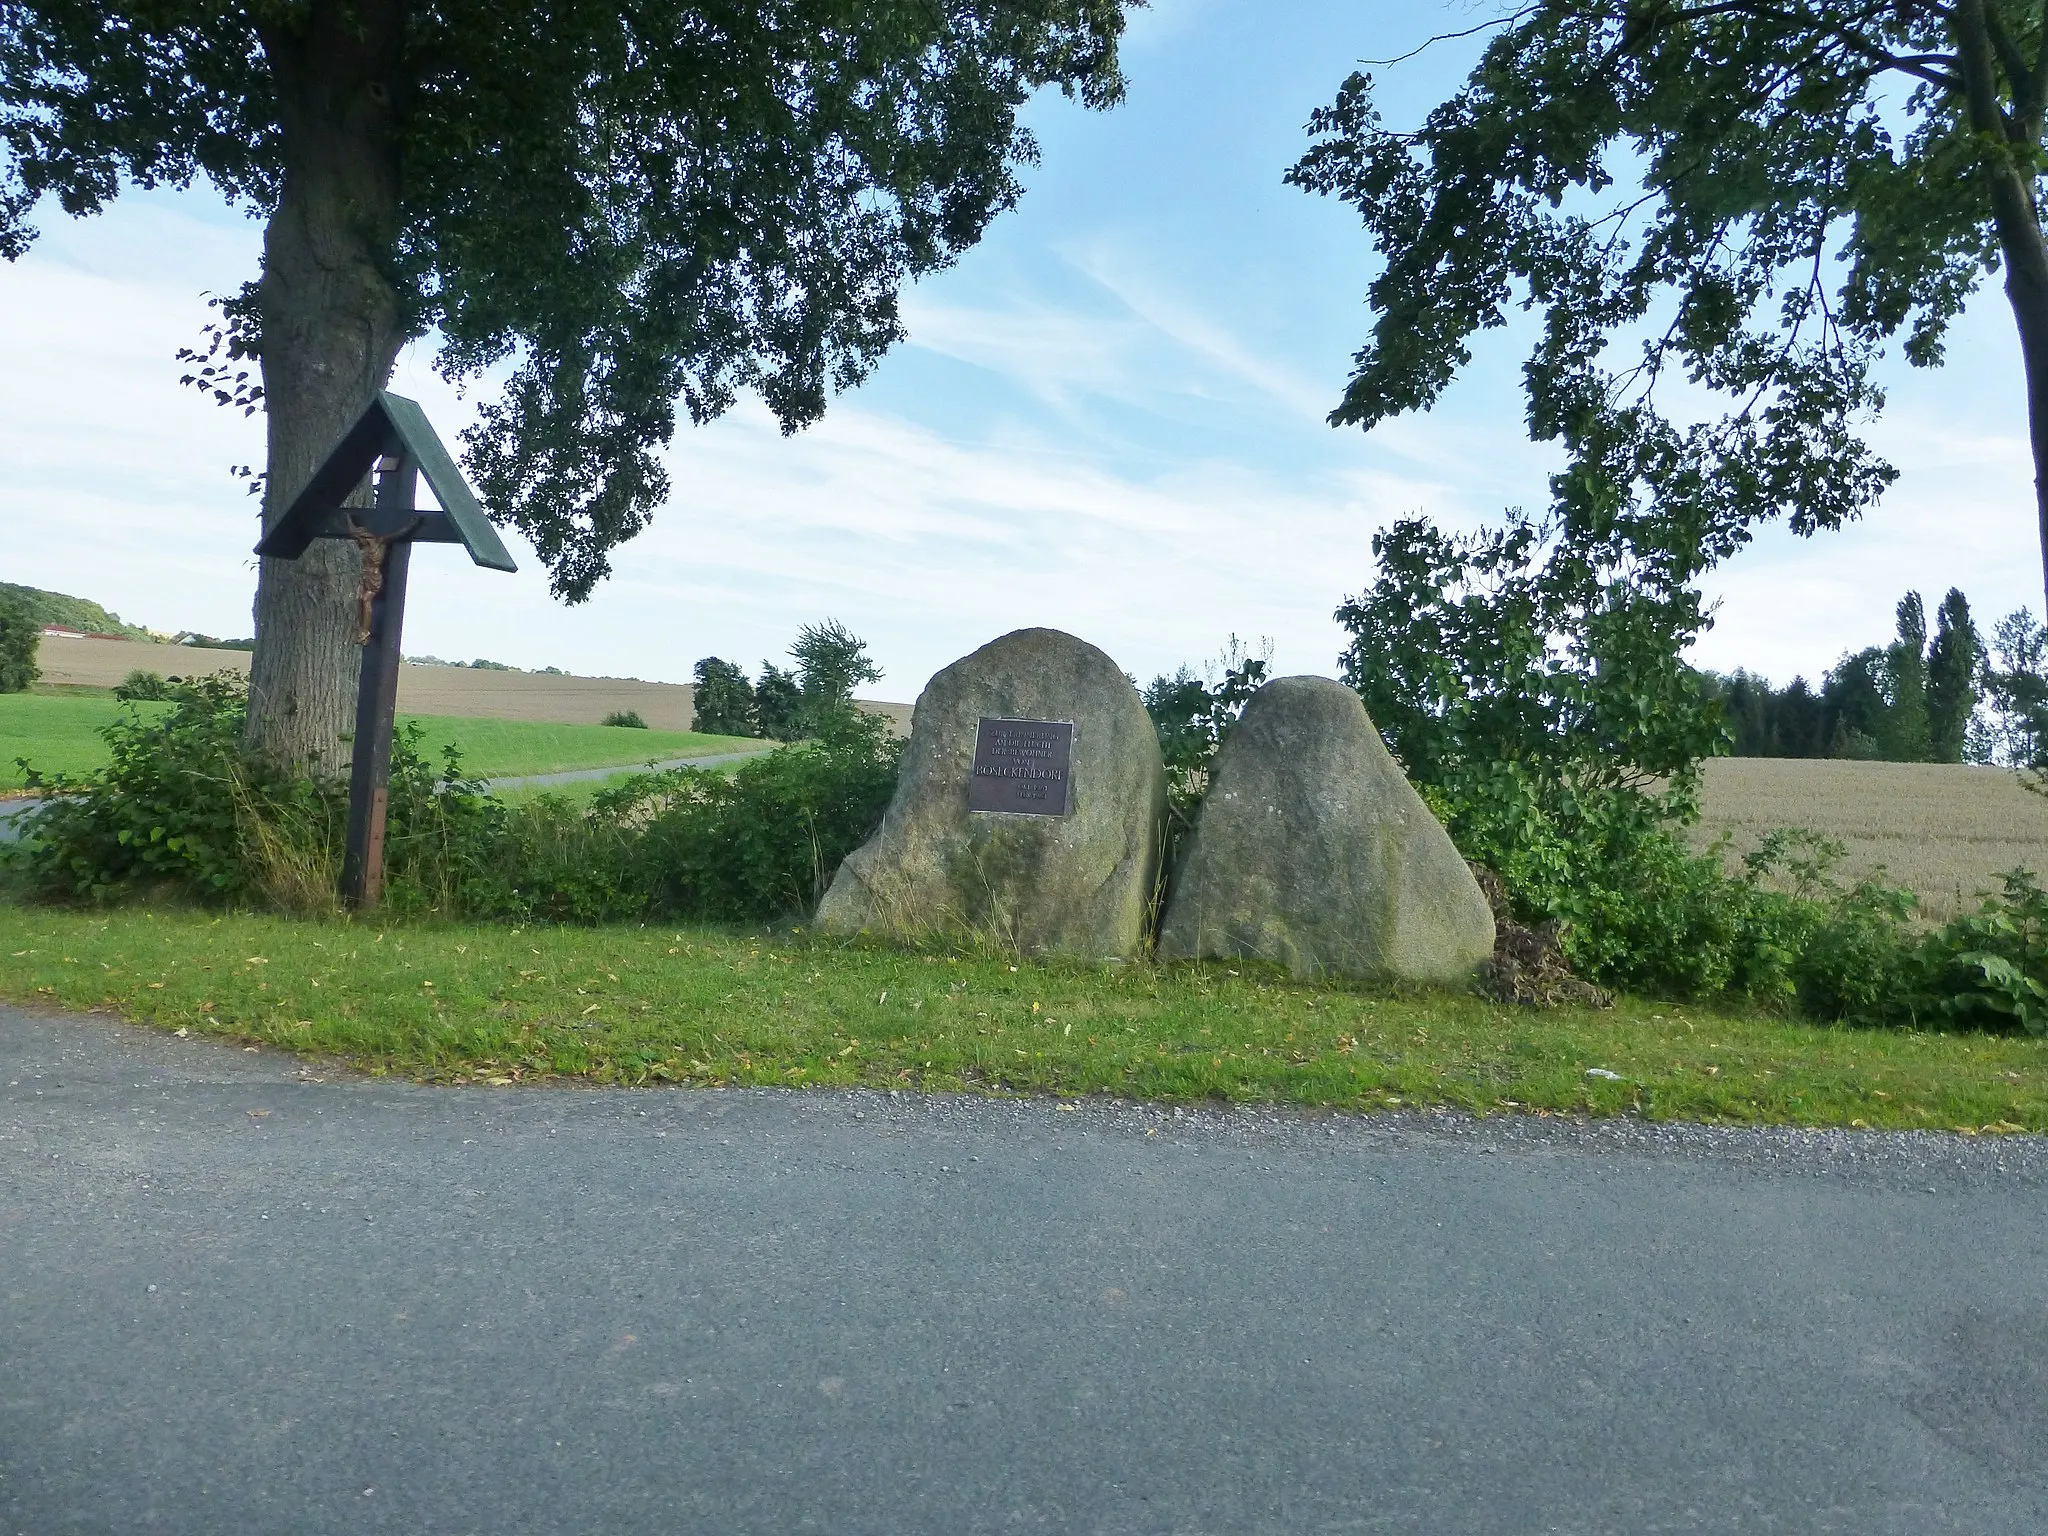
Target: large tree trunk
[(2020, 241), (332, 327), (2026, 289)]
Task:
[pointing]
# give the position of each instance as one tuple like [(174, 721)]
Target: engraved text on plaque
[(1024, 767)]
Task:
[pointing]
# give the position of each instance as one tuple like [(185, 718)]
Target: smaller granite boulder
[(1054, 845), (1314, 851)]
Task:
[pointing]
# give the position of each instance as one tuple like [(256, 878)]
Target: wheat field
[(1945, 831)]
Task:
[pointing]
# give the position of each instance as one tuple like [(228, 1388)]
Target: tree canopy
[(1746, 199), (632, 203)]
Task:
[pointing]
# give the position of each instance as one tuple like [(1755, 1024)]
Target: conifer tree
[(1955, 664), (1904, 736)]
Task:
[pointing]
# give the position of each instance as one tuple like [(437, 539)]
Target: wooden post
[(369, 787)]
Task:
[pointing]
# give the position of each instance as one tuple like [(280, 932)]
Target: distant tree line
[(65, 612), (481, 665), (1948, 698), (831, 661)]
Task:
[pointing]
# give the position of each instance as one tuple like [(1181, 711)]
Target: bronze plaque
[(1024, 767)]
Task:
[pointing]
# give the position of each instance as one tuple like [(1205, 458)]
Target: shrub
[(1537, 694), (1534, 691), (139, 684), (1193, 714), (20, 634), (626, 717), (690, 843), (1988, 968), (181, 806)]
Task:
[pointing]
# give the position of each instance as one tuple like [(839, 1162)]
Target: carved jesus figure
[(374, 549)]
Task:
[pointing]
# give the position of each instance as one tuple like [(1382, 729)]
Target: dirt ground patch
[(1946, 831)]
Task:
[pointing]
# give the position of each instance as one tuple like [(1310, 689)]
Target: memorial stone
[(1314, 851), (1029, 808)]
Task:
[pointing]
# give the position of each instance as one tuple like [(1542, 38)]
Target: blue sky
[(1108, 418)]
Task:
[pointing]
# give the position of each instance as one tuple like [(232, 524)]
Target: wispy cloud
[(1193, 328)]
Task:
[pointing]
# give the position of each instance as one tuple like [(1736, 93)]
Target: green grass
[(632, 1005), (59, 733), (514, 748), (580, 792)]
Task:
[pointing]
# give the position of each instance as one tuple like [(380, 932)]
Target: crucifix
[(393, 437)]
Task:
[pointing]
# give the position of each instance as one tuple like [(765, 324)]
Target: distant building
[(55, 632)]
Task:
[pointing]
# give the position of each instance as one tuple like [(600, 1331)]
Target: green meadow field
[(60, 733)]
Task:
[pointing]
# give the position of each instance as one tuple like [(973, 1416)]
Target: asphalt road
[(10, 811), (237, 1298)]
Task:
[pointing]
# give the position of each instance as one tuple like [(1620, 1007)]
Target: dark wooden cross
[(393, 436)]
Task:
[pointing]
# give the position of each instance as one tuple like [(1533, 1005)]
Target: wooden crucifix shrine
[(392, 435)]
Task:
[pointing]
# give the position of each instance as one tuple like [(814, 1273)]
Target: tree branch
[(2032, 108), (2009, 55), (1933, 68), (1976, 53), (1513, 19)]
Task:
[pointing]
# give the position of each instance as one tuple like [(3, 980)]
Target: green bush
[(1988, 968), (1192, 715), (689, 843), (1539, 699), (20, 634), (1536, 694), (630, 718), (141, 684), (181, 807)]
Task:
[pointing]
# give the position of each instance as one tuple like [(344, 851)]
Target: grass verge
[(636, 1005)]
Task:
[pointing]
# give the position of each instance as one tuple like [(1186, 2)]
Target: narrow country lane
[(242, 1294)]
